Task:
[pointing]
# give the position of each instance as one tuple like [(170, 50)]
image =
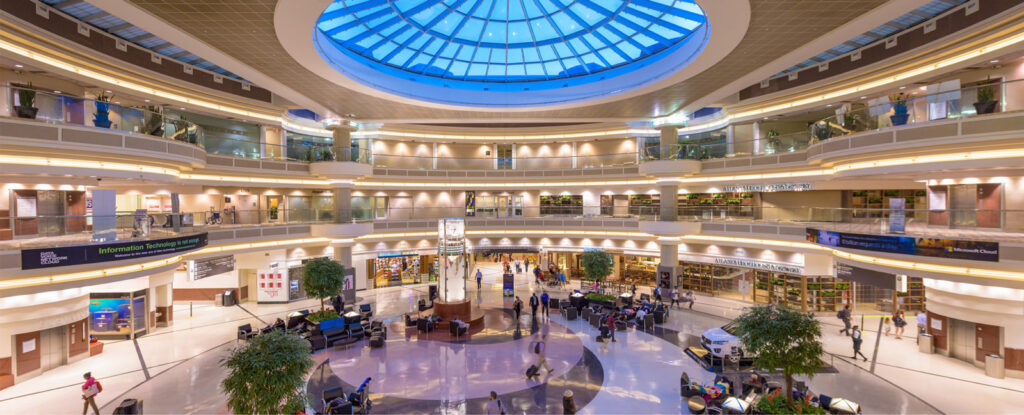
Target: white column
[(343, 253), (574, 163), (756, 149), (513, 156), (342, 202), (272, 142), (730, 147), (342, 141), (669, 200), (434, 156), (669, 138), (494, 155)]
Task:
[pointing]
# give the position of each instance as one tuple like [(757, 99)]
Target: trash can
[(229, 298), (218, 300), (995, 366), (926, 343)]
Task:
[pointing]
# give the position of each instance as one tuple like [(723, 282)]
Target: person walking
[(534, 302), (517, 306), (338, 304), (610, 323), (844, 315), (540, 348), (857, 340), (479, 278), (568, 404), (545, 309), (527, 264), (657, 295), (899, 322), (690, 298), (675, 298), (519, 266), (90, 389), (493, 406)]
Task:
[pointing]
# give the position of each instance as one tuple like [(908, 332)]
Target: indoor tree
[(322, 278), (266, 374), (596, 265), (782, 339)]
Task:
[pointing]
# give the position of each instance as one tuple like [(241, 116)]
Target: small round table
[(696, 404)]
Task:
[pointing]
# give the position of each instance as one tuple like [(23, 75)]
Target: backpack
[(536, 347), (839, 314), (501, 407), (99, 387)]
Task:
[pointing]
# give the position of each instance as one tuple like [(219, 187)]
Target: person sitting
[(640, 315)]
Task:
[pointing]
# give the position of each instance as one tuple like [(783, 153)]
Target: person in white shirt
[(493, 406)]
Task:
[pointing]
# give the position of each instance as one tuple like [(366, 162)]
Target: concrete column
[(757, 139), (730, 141), (272, 142), (574, 163), (669, 253), (342, 142), (669, 138), (343, 254), (342, 202), (434, 156), (669, 200)]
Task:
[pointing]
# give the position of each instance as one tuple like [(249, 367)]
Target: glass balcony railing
[(911, 108), (504, 163), (68, 110)]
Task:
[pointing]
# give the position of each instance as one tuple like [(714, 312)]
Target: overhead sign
[(932, 247), (779, 187), (202, 268), (866, 276), (106, 252)]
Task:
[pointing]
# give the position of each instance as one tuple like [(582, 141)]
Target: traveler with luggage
[(540, 350), (90, 389), (517, 306), (494, 406), (534, 302), (544, 303), (844, 315), (568, 404)]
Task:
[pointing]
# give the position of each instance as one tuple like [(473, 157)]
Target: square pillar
[(669, 201), (342, 202)]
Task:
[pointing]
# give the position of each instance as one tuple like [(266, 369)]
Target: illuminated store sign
[(781, 187), (767, 266)]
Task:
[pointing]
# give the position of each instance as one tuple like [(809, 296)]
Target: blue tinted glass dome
[(482, 44)]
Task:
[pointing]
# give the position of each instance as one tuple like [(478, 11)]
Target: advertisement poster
[(470, 203), (348, 290), (89, 254), (508, 285), (110, 316), (272, 288), (931, 247), (897, 214)]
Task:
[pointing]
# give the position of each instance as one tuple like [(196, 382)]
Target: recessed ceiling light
[(863, 97), (829, 105), (56, 92), (108, 91), (994, 61), (18, 65), (146, 100), (923, 88), (903, 87)]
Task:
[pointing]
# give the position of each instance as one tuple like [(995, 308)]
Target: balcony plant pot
[(26, 112), (900, 115), (101, 118), (986, 107)]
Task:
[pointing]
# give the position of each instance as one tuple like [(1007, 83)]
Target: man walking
[(534, 302), (675, 298), (544, 303), (493, 406), (844, 315), (857, 340), (517, 306), (610, 322), (90, 389), (479, 278), (690, 298), (540, 349)]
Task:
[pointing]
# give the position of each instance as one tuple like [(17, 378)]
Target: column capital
[(341, 125)]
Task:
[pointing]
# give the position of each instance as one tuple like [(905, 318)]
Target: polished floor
[(175, 370)]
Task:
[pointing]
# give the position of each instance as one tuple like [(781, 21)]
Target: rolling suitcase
[(129, 406), (532, 371)]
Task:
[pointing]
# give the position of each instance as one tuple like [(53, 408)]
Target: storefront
[(402, 268), (637, 270), (45, 213), (877, 291), (118, 315)]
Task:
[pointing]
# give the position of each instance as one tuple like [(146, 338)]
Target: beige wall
[(793, 205), (465, 156), (606, 152), (543, 156), (1013, 202), (403, 154)]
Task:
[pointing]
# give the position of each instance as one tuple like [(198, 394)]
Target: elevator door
[(961, 340), (53, 347)]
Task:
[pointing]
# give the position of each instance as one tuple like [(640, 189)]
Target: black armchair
[(246, 332), (366, 311), (409, 321), (455, 328), (423, 325)]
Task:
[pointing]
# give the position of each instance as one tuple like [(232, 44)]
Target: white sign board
[(272, 286), (936, 324), (28, 346)]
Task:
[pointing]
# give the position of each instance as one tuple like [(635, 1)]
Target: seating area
[(352, 327), (721, 396)]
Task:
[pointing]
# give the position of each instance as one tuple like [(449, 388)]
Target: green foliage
[(782, 339), (732, 201), (693, 195), (266, 374), (774, 403), (718, 196), (322, 316), (600, 297), (104, 98), (27, 96), (822, 131), (772, 133), (746, 195), (985, 92), (322, 278), (326, 154), (596, 265)]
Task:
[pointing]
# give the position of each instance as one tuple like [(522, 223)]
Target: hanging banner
[(931, 247), (897, 214), (90, 254)]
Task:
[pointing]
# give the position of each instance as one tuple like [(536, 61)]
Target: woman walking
[(899, 322), (857, 340)]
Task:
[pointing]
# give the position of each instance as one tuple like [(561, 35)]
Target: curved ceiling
[(505, 51)]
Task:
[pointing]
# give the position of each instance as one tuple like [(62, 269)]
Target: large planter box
[(95, 348)]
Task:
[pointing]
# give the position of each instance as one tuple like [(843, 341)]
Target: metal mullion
[(669, 10), (547, 16), (351, 10)]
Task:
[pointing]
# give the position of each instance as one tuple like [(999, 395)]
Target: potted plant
[(26, 101), (784, 340), (732, 202), (102, 116), (986, 104), (773, 140), (322, 278), (692, 196), (596, 265), (821, 131), (154, 121), (267, 374), (326, 154), (899, 108)]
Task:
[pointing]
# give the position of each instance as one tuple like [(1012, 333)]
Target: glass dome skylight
[(504, 45)]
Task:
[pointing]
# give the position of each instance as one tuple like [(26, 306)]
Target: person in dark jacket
[(610, 322), (338, 303), (844, 315), (857, 340), (568, 404), (517, 306), (534, 303)]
